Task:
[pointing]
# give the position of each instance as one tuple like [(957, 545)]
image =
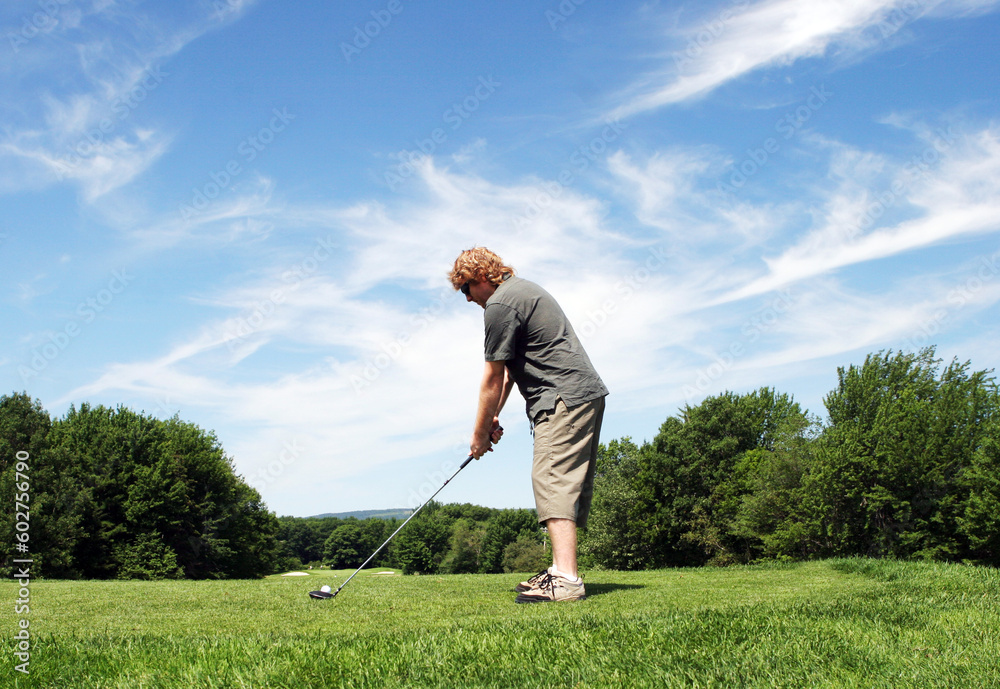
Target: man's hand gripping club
[(493, 393)]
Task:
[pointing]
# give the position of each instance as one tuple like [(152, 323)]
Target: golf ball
[(325, 589)]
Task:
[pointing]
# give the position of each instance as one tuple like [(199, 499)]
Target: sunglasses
[(465, 289)]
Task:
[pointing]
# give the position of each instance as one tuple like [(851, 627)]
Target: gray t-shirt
[(526, 328)]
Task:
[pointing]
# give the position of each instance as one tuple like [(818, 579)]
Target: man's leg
[(565, 456), (561, 582), (562, 533)]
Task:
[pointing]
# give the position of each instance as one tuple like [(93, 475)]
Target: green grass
[(839, 623)]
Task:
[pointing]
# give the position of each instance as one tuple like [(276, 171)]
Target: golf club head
[(327, 594), (324, 592)]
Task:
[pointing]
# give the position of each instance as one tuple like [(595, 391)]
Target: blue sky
[(243, 212)]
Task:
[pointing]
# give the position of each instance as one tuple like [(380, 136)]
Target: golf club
[(327, 594)]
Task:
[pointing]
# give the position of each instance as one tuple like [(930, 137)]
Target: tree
[(249, 531), (465, 548), (693, 479), (525, 554), (978, 517), (116, 494), (55, 500), (374, 532), (475, 513), (147, 558), (344, 548), (502, 529), (422, 545), (301, 539), (904, 448), (616, 535), (771, 510)]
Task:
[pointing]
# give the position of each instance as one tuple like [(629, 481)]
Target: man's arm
[(493, 393), (508, 383)]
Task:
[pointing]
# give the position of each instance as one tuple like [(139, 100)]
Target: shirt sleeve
[(503, 327)]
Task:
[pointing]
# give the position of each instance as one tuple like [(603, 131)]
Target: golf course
[(831, 623)]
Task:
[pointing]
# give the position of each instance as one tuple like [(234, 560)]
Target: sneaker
[(553, 588), (532, 582)]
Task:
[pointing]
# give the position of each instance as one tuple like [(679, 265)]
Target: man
[(529, 341)]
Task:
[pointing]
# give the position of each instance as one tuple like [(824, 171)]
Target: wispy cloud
[(87, 90), (248, 213), (960, 196), (743, 37), (369, 376), (365, 383)]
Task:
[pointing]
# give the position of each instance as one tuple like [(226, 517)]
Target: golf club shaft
[(414, 514)]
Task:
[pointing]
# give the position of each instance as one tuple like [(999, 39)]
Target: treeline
[(906, 466), (110, 493), (447, 539)]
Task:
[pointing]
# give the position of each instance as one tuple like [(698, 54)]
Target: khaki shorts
[(562, 473)]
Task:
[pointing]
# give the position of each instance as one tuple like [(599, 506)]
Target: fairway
[(838, 623)]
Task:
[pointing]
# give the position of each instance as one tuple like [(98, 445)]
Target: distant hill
[(398, 513)]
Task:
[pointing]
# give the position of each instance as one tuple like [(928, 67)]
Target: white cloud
[(368, 390), (377, 373), (660, 186), (90, 135), (387, 356), (743, 37), (526, 224), (232, 215), (953, 186)]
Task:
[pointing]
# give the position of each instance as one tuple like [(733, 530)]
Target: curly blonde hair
[(479, 264)]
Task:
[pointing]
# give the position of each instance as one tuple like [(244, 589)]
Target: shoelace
[(538, 577)]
